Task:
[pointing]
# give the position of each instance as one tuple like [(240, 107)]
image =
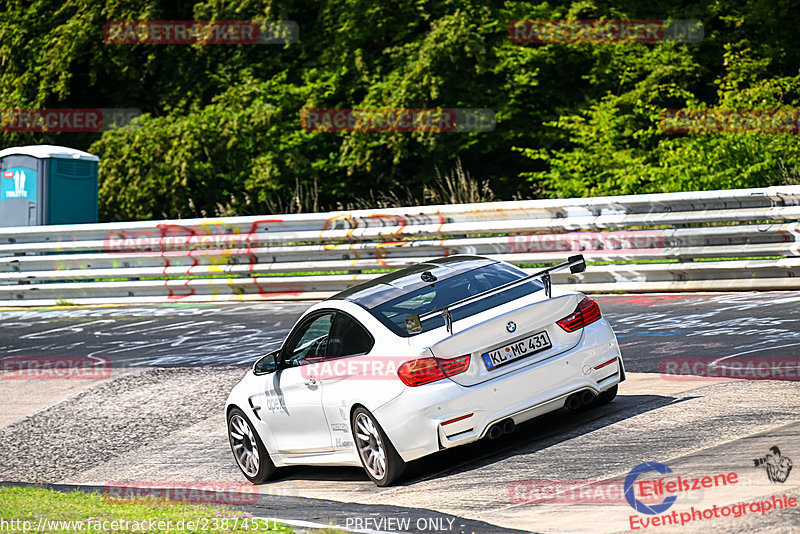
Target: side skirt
[(330, 458)]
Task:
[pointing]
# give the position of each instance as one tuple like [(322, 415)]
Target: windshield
[(446, 292)]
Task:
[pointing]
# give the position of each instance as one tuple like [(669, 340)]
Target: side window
[(348, 337), (309, 343)]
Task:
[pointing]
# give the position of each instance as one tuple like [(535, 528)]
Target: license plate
[(519, 349)]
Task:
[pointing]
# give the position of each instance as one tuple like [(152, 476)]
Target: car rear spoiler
[(576, 264)]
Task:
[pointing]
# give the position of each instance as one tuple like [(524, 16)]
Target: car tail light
[(586, 313), (427, 370)]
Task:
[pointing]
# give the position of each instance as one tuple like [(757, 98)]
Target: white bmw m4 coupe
[(433, 356)]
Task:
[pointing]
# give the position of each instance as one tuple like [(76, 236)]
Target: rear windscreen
[(445, 292)]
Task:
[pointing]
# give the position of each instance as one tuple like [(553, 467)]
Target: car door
[(348, 339), (291, 404)]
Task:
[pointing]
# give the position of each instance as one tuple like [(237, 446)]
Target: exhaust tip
[(587, 397), (574, 402), (508, 426), (495, 431)]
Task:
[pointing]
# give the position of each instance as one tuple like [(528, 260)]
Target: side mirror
[(266, 364), (578, 267)]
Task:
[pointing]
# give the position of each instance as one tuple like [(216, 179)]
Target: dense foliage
[(222, 135)]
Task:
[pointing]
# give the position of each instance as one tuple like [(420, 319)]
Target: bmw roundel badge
[(511, 326)]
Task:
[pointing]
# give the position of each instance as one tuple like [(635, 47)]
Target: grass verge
[(30, 509)]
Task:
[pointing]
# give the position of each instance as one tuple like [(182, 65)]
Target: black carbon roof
[(392, 285)]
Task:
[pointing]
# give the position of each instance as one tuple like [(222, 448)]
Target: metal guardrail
[(641, 243)]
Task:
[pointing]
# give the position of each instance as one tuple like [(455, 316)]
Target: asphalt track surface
[(700, 428), (649, 328)]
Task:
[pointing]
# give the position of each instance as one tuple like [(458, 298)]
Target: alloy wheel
[(370, 446), (243, 443)]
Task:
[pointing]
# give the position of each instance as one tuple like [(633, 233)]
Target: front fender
[(240, 397)]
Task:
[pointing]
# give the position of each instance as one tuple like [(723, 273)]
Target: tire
[(249, 452), (378, 456), (606, 396)]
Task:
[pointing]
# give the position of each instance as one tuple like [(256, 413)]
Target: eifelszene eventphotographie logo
[(630, 496), (777, 467)]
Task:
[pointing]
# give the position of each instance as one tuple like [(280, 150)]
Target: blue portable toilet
[(46, 184)]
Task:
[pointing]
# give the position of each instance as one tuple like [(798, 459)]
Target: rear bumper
[(414, 421)]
